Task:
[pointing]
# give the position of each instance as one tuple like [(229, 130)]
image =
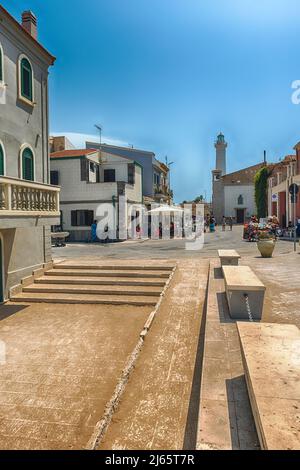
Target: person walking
[(94, 237), (223, 223), (230, 223)]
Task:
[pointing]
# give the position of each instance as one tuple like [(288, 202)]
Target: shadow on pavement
[(9, 310), (191, 428)]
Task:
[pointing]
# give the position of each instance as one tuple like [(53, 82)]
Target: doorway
[(240, 216), (1, 271)]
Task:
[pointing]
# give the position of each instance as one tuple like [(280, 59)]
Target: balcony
[(161, 190), (23, 203)]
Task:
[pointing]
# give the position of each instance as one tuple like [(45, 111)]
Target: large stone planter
[(266, 248)]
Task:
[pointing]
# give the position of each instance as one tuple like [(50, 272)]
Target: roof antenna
[(265, 157)]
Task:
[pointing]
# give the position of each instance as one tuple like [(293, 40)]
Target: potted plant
[(266, 243)]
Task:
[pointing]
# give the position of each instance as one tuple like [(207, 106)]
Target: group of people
[(138, 229), (210, 223), (254, 228), (227, 221)]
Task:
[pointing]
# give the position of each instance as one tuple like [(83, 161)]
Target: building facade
[(233, 193), (156, 187), (29, 205), (282, 176), (87, 182)]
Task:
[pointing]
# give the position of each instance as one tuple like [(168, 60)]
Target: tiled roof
[(73, 153), (31, 38), (282, 164), (116, 148), (290, 158), (244, 176)]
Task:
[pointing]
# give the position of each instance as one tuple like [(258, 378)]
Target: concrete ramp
[(271, 356)]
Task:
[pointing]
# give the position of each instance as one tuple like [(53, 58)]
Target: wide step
[(101, 281), (84, 299), (112, 273), (98, 290), (115, 267)]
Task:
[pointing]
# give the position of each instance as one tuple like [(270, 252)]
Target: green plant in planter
[(261, 191)]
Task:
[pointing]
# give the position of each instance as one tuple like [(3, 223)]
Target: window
[(131, 173), (156, 179), (54, 178), (27, 165), (240, 200), (1, 160), (109, 176), (84, 170), (82, 218), (92, 167), (26, 76), (98, 174), (1, 64)]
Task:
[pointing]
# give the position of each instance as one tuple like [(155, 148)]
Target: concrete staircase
[(139, 285)]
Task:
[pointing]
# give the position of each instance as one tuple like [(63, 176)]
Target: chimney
[(29, 23)]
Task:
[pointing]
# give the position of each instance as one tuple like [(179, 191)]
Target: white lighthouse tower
[(221, 147)]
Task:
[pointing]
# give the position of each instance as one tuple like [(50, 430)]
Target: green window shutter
[(1, 161), (90, 218), (98, 174), (27, 165), (84, 169), (74, 218), (131, 173), (26, 80)]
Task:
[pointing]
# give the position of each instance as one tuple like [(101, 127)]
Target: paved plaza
[(64, 362), (62, 365), (167, 249)]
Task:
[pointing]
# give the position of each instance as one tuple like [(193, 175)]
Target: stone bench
[(242, 283), (271, 359), (229, 257)]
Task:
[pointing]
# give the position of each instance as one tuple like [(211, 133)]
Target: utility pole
[(99, 128)]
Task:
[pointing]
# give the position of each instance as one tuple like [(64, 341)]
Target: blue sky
[(168, 75)]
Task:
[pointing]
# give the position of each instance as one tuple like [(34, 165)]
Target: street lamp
[(169, 164)]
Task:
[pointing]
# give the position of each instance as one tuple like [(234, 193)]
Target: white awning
[(166, 209)]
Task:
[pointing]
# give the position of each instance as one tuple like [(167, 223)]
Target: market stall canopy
[(166, 209)]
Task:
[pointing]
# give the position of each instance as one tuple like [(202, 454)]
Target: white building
[(28, 204), (87, 183)]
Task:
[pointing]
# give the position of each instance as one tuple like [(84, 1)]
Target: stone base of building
[(23, 251)]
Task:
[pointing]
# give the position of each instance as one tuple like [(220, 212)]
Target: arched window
[(240, 200), (26, 77), (1, 160), (27, 165), (1, 64)]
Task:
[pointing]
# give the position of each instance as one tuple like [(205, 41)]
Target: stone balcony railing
[(27, 198), (161, 190)]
